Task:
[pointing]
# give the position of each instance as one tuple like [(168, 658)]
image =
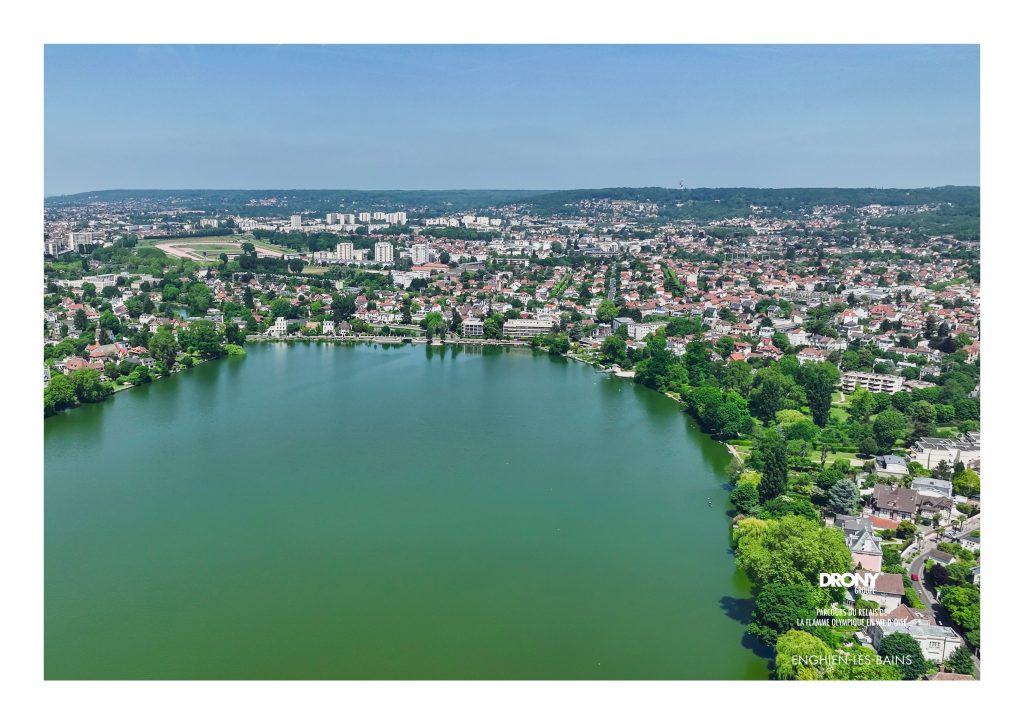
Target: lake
[(318, 511)]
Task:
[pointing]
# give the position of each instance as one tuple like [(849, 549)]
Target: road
[(928, 544)]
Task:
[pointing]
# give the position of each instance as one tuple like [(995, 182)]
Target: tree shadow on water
[(742, 610)]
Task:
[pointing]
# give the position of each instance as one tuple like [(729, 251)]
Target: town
[(830, 338)]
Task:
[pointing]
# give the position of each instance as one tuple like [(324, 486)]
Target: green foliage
[(819, 379), (87, 385), (908, 650), (773, 455), (888, 427), (967, 483), (791, 549), (961, 661), (58, 395), (779, 606), (795, 647), (202, 338), (744, 498), (773, 391), (723, 414), (964, 606), (844, 497)]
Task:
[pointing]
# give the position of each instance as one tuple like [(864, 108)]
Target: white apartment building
[(279, 328), (472, 328), (348, 219), (871, 381), (383, 252), (344, 250), (420, 253), (364, 216), (527, 328), (296, 221), (333, 218)]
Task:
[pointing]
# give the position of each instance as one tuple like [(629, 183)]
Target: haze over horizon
[(509, 117)]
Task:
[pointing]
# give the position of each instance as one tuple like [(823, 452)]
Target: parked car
[(914, 577)]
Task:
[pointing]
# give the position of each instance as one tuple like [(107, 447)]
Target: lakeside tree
[(794, 647), (87, 385), (744, 498), (58, 395), (791, 549), (164, 347), (779, 606), (203, 338)]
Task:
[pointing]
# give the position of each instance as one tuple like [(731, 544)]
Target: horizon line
[(491, 188)]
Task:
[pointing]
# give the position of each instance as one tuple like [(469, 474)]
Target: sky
[(509, 117)]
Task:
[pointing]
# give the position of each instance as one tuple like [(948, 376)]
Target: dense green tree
[(163, 347), (606, 311), (744, 498), (967, 483), (794, 652), (819, 380), (772, 452), (961, 661), (844, 496), (58, 395), (964, 606), (905, 652), (343, 308), (613, 350), (791, 549), (203, 338), (861, 404), (772, 392), (779, 606), (281, 307), (888, 427), (87, 385)]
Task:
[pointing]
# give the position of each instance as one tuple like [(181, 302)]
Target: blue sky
[(551, 117)]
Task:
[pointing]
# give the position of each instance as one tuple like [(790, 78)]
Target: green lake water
[(389, 512)]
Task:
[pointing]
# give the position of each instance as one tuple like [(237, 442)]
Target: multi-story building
[(383, 252), (279, 328), (364, 216), (296, 221), (333, 218), (527, 328), (937, 642), (344, 250), (871, 381), (420, 253), (930, 451), (472, 328)]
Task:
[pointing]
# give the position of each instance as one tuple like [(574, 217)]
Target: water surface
[(370, 512)]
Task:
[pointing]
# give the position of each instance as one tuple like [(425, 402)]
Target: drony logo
[(845, 580)]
